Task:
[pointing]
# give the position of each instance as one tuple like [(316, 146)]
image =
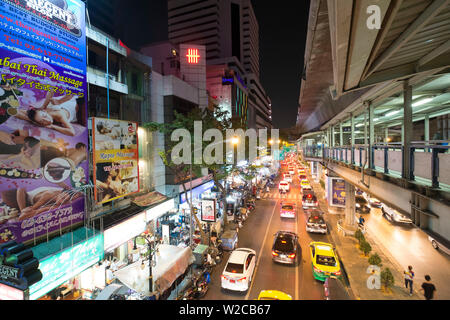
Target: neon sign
[(193, 56)]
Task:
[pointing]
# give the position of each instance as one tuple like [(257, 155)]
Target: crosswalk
[(274, 194)]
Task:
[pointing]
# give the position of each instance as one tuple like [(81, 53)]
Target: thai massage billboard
[(43, 116), (116, 156)]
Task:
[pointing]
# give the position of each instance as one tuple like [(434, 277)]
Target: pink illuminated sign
[(193, 56)]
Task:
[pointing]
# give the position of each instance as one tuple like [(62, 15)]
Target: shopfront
[(122, 246), (62, 260)]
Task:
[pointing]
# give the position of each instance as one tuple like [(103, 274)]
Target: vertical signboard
[(43, 116), (336, 197), (208, 210), (116, 158)]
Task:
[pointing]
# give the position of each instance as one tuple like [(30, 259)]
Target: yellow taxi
[(301, 171), (304, 184), (273, 295), (324, 260)]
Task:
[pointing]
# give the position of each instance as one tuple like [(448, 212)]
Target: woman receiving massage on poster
[(109, 182), (54, 113), (31, 203)]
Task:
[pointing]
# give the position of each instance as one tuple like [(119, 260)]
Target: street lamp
[(235, 140), (271, 141), (150, 244)]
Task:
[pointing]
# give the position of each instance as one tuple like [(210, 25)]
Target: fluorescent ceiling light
[(359, 125), (376, 119), (391, 113), (421, 102)]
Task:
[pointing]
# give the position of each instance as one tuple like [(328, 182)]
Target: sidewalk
[(356, 264)]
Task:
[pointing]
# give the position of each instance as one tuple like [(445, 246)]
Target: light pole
[(150, 245)]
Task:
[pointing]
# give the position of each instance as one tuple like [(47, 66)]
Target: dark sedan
[(285, 248)]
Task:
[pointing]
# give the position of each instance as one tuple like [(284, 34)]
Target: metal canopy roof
[(368, 64)]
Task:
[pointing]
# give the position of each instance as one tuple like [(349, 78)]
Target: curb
[(374, 244)]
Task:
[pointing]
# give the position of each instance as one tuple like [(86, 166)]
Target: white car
[(291, 171), (284, 185), (394, 216), (374, 202), (287, 177), (238, 272), (439, 244)]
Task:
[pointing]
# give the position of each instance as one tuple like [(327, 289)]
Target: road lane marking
[(260, 252)]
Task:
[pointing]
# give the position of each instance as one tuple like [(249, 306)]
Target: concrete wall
[(157, 115)]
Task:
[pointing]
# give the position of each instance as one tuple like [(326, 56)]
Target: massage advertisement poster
[(116, 158), (43, 117)]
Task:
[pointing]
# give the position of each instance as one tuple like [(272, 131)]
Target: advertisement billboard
[(116, 158), (43, 116), (208, 210), (337, 192)]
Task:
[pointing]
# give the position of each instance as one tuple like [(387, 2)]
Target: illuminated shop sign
[(123, 232), (66, 264), (10, 293), (192, 56), (196, 192), (226, 80)]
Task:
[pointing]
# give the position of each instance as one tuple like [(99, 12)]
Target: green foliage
[(359, 236), (365, 247), (322, 183), (375, 260), (386, 278)]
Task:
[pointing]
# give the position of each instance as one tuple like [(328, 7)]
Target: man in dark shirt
[(428, 289)]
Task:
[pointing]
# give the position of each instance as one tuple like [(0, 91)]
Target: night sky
[(283, 27)]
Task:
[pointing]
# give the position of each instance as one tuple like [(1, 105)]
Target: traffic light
[(18, 266)]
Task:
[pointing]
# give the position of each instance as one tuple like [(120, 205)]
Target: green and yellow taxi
[(324, 260), (273, 295)]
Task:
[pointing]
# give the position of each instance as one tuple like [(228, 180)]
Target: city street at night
[(208, 158)]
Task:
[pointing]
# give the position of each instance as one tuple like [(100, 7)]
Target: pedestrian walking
[(361, 221), (428, 289), (409, 276)]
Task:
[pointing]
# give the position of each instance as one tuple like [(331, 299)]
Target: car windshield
[(284, 244), (316, 219), (326, 261), (234, 268), (287, 207)]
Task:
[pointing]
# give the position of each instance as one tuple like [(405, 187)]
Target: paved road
[(409, 245), (257, 233)]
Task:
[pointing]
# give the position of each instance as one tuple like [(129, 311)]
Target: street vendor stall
[(171, 263)]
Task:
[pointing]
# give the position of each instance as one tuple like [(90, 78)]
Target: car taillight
[(291, 256), (224, 277), (242, 279), (317, 269), (337, 273), (274, 253)]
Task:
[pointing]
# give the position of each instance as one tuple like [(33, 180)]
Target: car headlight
[(358, 205)]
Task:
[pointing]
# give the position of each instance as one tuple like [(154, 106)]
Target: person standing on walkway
[(409, 276), (428, 289)]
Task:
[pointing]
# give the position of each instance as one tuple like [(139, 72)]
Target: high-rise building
[(101, 14), (229, 30)]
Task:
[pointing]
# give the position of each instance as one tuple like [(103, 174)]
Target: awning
[(171, 262), (149, 199)]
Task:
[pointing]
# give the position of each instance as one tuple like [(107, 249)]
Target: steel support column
[(407, 130)]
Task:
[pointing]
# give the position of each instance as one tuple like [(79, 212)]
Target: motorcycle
[(197, 291)]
